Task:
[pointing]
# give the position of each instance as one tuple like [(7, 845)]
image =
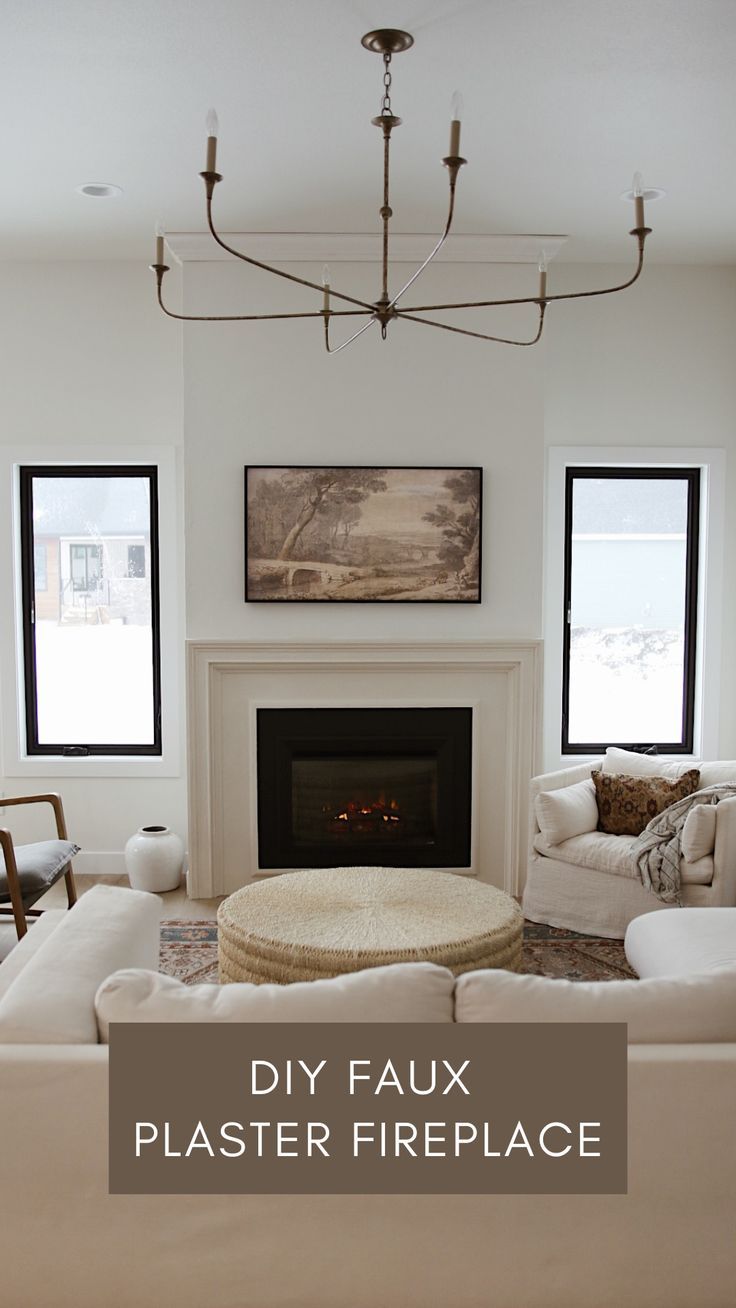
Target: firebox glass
[(342, 800)]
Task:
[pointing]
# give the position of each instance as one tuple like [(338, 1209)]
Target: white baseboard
[(100, 863)]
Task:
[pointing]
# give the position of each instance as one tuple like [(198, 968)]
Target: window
[(136, 560), (630, 608), (92, 644), (85, 567)]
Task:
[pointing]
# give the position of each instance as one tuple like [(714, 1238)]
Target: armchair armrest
[(53, 799), (11, 876), (724, 852), (555, 781)]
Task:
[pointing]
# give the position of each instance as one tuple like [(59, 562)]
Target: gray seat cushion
[(38, 866)]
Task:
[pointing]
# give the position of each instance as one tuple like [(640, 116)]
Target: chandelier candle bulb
[(160, 234), (326, 289), (637, 187), (456, 110), (542, 276), (212, 131)]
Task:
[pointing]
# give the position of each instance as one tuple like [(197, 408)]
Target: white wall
[(86, 358), (268, 393), (654, 367), (87, 362)]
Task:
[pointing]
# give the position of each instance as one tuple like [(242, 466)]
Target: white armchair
[(587, 881)]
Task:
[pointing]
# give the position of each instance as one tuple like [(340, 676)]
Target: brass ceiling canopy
[(387, 40), (386, 309)]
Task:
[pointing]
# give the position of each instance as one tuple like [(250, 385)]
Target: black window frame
[(691, 475), (27, 474)]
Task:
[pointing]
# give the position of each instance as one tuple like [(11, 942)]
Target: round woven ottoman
[(305, 925)]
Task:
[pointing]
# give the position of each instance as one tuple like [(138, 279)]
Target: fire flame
[(365, 816)]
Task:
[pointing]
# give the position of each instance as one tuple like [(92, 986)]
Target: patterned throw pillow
[(626, 805)]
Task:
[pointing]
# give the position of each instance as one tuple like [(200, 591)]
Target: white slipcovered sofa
[(583, 879), (67, 1243)]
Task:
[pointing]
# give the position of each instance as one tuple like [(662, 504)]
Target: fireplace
[(381, 786)]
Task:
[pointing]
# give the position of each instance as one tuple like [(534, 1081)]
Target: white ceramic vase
[(153, 859)]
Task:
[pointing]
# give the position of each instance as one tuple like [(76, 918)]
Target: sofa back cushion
[(626, 805), (562, 814), (401, 992), (692, 1009), (716, 774), (628, 763), (52, 1000)]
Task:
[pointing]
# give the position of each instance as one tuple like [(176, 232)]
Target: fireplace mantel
[(227, 681)]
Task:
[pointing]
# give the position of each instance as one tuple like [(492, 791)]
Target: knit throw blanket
[(657, 853)]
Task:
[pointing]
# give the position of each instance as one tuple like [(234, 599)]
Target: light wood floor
[(175, 903)]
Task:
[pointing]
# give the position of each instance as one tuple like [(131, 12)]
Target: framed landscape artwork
[(363, 535)]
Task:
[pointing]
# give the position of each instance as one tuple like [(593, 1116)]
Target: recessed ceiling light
[(100, 190)]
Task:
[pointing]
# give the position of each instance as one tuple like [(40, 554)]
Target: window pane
[(93, 630), (39, 567), (628, 594), (136, 560)]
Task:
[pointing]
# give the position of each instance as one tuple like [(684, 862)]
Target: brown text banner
[(368, 1109)]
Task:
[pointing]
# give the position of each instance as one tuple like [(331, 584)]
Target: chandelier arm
[(278, 272), (354, 337), (532, 299), (482, 336), (433, 252), (248, 317)]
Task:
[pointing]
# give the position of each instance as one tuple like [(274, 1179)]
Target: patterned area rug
[(556, 952), (189, 952)]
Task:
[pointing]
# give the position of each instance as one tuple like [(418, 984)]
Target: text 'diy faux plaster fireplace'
[(398, 754)]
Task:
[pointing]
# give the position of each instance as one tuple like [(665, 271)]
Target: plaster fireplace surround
[(406, 754)]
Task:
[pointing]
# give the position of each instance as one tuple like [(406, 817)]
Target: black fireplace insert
[(381, 786)]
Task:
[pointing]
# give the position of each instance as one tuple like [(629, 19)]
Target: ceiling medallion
[(386, 309)]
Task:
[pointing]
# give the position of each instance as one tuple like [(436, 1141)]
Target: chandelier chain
[(386, 100)]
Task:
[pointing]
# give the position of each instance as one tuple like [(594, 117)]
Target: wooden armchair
[(28, 871)]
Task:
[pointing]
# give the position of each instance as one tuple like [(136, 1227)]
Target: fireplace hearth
[(383, 786)]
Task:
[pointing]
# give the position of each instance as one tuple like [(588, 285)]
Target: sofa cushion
[(594, 849), (664, 1010), (716, 774), (626, 805), (628, 763), (568, 812), (687, 940), (401, 992), (699, 832), (22, 950), (51, 1001), (612, 854)]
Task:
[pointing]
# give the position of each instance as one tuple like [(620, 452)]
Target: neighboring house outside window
[(136, 560), (85, 567)]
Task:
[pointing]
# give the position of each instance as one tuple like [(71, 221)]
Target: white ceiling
[(564, 99)]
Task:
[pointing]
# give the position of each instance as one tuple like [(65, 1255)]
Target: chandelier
[(387, 308)]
